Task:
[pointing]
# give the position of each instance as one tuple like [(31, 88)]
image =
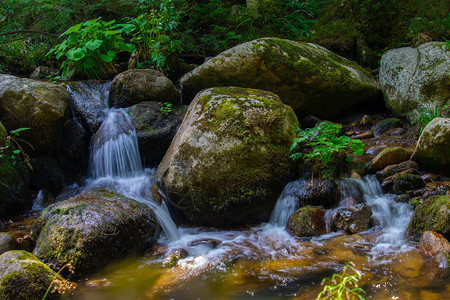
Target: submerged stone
[(93, 229), (307, 77), (229, 162), (433, 243)]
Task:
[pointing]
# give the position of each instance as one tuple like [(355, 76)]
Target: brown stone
[(432, 243), (365, 135), (388, 156)]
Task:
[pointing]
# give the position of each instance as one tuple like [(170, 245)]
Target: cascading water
[(115, 162)]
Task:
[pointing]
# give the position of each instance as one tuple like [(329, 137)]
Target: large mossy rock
[(93, 229), (307, 77), (412, 78), (41, 106), (433, 148), (308, 221), (229, 162), (353, 219), (155, 129), (24, 277), (135, 86), (432, 215)]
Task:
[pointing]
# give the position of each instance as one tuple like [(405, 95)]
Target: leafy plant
[(91, 47), (343, 286), (428, 113), (166, 108), (13, 144), (324, 151)]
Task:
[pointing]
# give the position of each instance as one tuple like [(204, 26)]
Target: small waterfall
[(286, 203), (115, 162)]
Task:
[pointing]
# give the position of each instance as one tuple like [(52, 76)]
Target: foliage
[(91, 46), (13, 143), (166, 108), (325, 150), (152, 33), (427, 113), (343, 286), (60, 286)]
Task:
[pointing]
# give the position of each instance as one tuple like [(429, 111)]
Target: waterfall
[(115, 162)]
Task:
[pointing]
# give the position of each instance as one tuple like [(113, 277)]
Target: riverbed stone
[(306, 76), (39, 105), (24, 277), (432, 243), (308, 221), (407, 182), (93, 229), (228, 162), (7, 242), (155, 129), (412, 78), (433, 148), (432, 214), (397, 168), (353, 219), (388, 156), (135, 86), (385, 125)]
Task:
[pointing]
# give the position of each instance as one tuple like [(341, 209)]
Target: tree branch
[(29, 31)]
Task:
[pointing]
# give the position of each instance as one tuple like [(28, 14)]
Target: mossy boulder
[(432, 215), (412, 78), (155, 129), (228, 162), (24, 277), (93, 229), (433, 148), (388, 156), (407, 182), (46, 173), (135, 86), (308, 221), (307, 77), (353, 219), (41, 106)]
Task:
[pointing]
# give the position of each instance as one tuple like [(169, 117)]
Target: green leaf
[(74, 28), (128, 47), (94, 44)]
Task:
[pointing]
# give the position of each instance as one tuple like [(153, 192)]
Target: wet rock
[(317, 193), (76, 140), (155, 129), (34, 104), (43, 199), (24, 277), (307, 77), (430, 177), (396, 132), (353, 219), (157, 251), (93, 229), (46, 174), (7, 242), (228, 162), (407, 182), (403, 198), (366, 120), (43, 72), (206, 242), (384, 125), (375, 149), (398, 168), (432, 243), (432, 214), (308, 221), (432, 149), (388, 156), (309, 121), (414, 77), (365, 135), (442, 260), (135, 86), (171, 260)]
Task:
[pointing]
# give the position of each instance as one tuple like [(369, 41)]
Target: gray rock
[(385, 125), (308, 221), (412, 78), (43, 72), (7, 242), (353, 219)]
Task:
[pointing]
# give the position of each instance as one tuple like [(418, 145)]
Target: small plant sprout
[(166, 108), (60, 285), (343, 286), (13, 142)]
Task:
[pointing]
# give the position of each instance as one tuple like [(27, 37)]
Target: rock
[(397, 168), (93, 229), (388, 156), (24, 277), (432, 243), (396, 131), (228, 162), (41, 106), (432, 214), (317, 193), (47, 174), (306, 222), (76, 140), (385, 125), (366, 120), (430, 177), (414, 77), (353, 219), (365, 135), (88, 103), (43, 199), (135, 86), (3, 135), (212, 243), (173, 257), (407, 182), (307, 77), (432, 149), (7, 242), (43, 72), (309, 121), (155, 129), (403, 198)]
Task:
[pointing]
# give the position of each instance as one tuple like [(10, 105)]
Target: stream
[(262, 262)]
